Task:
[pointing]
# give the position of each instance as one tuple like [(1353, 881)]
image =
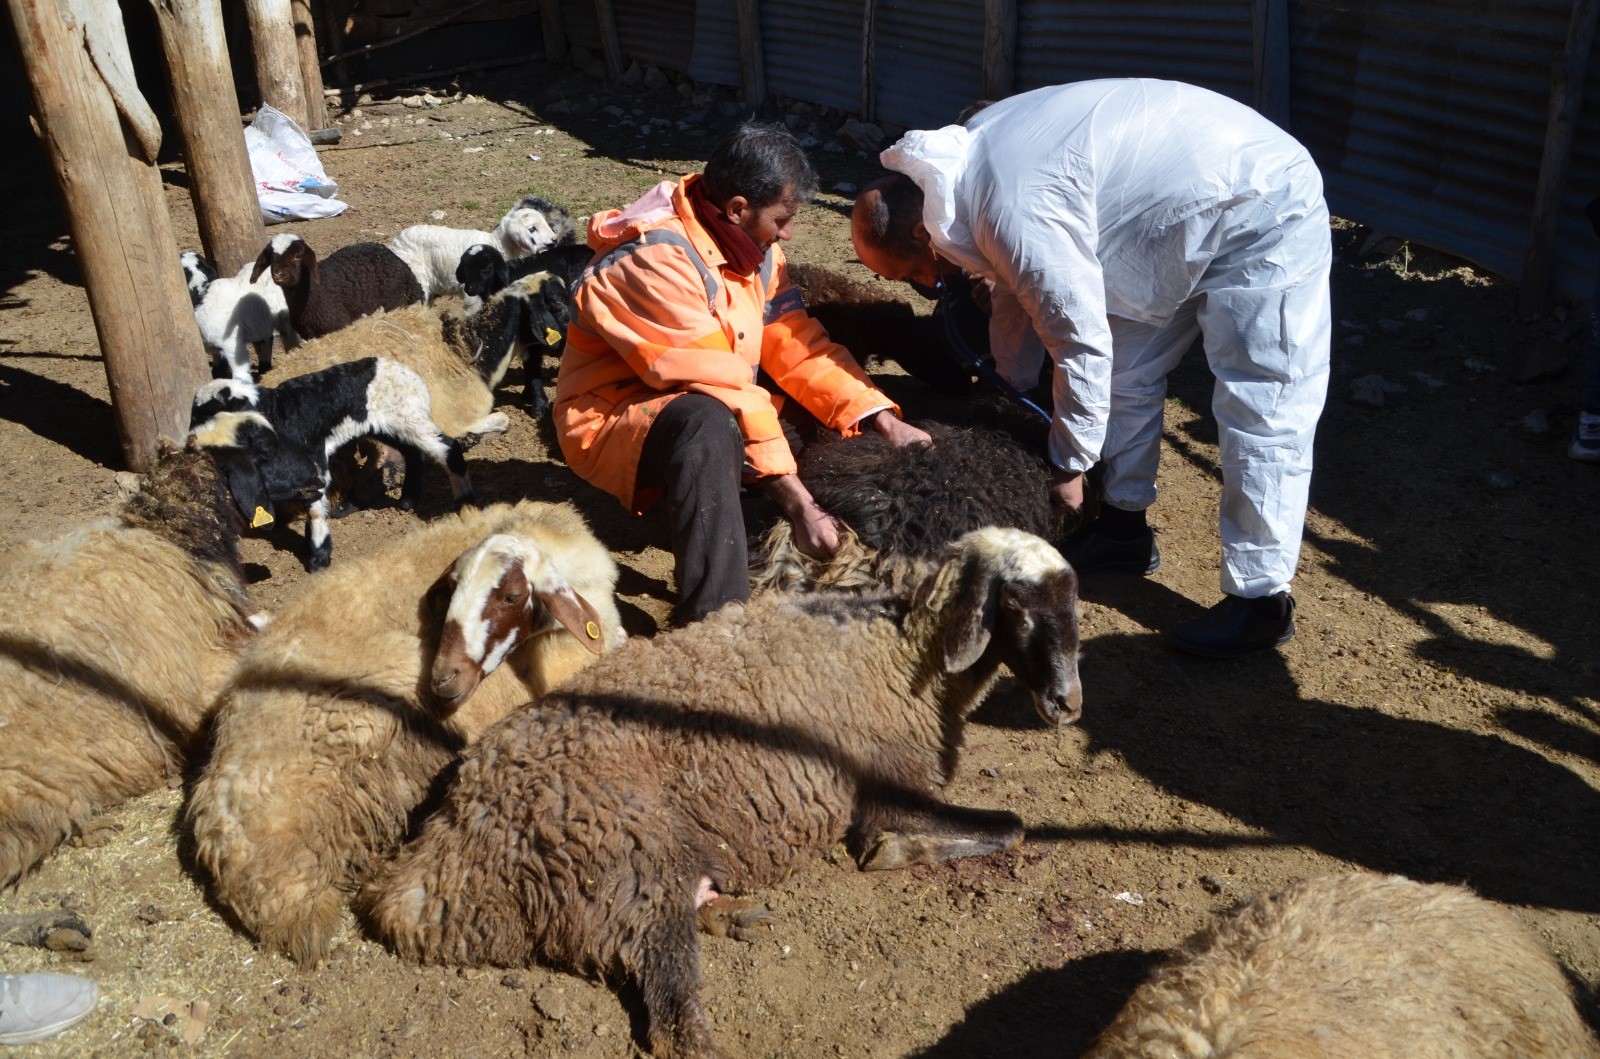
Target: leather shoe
[(1237, 626), (1091, 551)]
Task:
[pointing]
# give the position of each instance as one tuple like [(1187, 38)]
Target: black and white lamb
[(324, 296), (594, 829), (522, 319), (433, 251), (326, 410), (903, 506), (236, 314)]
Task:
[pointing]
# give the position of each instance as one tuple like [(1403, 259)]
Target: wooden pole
[(1270, 22), (1566, 100), (610, 43), (277, 57), (999, 48), (554, 30), (305, 42), (203, 95), (869, 48), (752, 68), (121, 234)]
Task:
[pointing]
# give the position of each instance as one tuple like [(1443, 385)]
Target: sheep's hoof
[(321, 558), (895, 849), (734, 917), (407, 503), (59, 930)]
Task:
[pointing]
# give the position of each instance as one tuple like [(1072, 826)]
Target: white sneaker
[(34, 1007)]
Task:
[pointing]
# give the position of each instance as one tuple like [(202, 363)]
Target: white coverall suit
[(1118, 219)]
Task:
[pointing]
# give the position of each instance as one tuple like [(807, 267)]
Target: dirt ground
[(1437, 715)]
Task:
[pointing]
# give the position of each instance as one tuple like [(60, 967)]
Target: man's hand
[(982, 293), (1066, 490), (816, 533), (898, 431)]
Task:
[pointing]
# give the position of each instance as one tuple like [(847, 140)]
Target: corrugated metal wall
[(812, 50), (1427, 116), (928, 60), (1208, 44)]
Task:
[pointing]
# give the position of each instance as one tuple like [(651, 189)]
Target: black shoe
[(1237, 626), (1091, 551)]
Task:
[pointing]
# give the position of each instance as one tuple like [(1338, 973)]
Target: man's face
[(769, 224), (919, 267)]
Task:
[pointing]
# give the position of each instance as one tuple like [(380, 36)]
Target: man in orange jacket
[(687, 300)]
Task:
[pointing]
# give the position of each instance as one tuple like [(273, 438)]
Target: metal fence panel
[(928, 60), (812, 51), (715, 58)]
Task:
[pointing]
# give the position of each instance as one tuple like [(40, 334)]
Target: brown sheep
[(114, 640), (340, 717), (591, 829), (1356, 967)]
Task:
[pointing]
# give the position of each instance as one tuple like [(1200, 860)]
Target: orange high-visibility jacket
[(657, 316)]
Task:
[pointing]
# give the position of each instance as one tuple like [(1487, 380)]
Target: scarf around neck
[(743, 255)]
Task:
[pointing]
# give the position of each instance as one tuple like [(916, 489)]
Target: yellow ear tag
[(551, 336), (262, 517), (592, 629)]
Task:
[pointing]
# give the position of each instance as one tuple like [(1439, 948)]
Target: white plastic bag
[(291, 184)]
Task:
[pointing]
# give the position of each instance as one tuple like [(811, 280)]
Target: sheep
[(260, 468), (901, 506), (114, 640), (873, 324), (1351, 967), (522, 319), (569, 230), (324, 296), (236, 313), (592, 829), (325, 410), (433, 251), (342, 714)]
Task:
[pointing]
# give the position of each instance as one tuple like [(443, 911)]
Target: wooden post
[(203, 95), (869, 48), (1566, 100), (121, 234), (999, 48), (305, 42), (277, 57), (554, 30), (1270, 22), (610, 43), (752, 68)]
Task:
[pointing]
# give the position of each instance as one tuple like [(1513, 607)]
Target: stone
[(844, 187), (1482, 367), (615, 111), (633, 75), (414, 102), (1536, 423), (861, 135), (833, 147), (595, 69), (654, 79), (1417, 315), (809, 141), (1372, 390), (792, 121), (1502, 480), (437, 215), (1391, 327)]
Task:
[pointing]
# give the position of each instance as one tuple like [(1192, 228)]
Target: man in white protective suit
[(1114, 221)]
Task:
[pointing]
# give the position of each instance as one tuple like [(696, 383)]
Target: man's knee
[(702, 433)]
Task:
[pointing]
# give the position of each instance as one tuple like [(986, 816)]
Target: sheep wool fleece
[(1119, 219), (658, 314)]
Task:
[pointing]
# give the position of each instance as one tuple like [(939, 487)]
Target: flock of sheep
[(589, 801)]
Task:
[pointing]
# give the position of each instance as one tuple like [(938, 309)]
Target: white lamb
[(235, 314), (433, 251)]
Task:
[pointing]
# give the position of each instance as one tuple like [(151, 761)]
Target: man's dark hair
[(760, 162), (889, 221)]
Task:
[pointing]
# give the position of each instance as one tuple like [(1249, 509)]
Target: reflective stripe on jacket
[(657, 315)]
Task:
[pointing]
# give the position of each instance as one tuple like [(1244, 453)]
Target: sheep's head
[(1009, 597), (525, 231), (222, 395), (291, 260), (259, 466), (496, 596), (197, 275), (548, 311), (482, 270)]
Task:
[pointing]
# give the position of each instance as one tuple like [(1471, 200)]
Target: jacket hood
[(612, 228)]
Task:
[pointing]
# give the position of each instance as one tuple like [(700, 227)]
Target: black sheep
[(324, 296)]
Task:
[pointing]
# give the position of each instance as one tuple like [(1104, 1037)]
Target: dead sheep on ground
[(116, 638), (1356, 966), (593, 830), (340, 717)]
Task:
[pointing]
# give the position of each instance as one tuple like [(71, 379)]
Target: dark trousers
[(695, 454)]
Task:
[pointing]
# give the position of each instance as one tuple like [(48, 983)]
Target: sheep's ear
[(971, 622), (556, 299), (576, 616), (263, 259), (246, 485), (436, 601)]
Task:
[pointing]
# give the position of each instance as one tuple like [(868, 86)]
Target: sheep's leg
[(668, 975), (446, 451), (734, 917), (411, 486), (264, 356), (317, 532), (904, 830), (534, 401)]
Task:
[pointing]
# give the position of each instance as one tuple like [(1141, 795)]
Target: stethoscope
[(967, 355)]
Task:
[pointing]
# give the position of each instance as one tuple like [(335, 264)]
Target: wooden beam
[(869, 50), (305, 43), (1270, 23), (610, 43), (1566, 100), (554, 30), (203, 96), (999, 48), (277, 57), (121, 234), (752, 66)]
